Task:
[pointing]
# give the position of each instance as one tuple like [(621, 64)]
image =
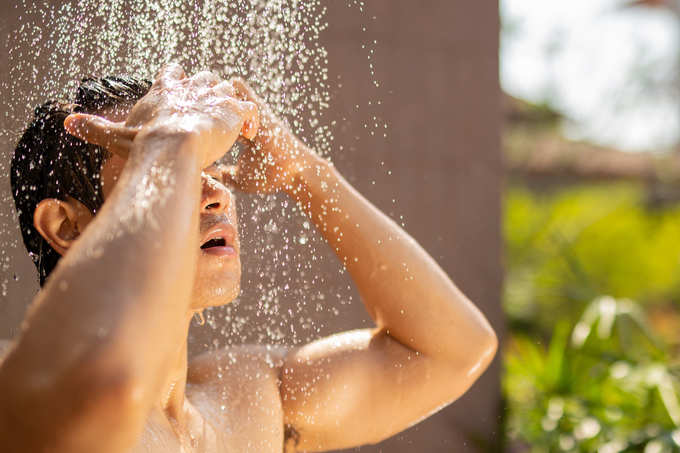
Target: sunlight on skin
[(429, 344)]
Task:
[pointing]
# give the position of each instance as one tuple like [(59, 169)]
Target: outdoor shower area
[(404, 98)]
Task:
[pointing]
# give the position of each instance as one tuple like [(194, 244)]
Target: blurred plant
[(570, 246), (602, 385)]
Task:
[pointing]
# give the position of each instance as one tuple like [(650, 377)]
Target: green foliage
[(602, 385), (568, 247)]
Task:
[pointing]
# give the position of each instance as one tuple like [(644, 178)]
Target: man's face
[(218, 275)]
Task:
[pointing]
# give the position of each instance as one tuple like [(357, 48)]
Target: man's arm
[(96, 343), (96, 347), (430, 344)]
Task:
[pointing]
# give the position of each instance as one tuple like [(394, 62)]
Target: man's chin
[(215, 296)]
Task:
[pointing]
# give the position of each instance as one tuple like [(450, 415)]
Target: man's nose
[(215, 197)]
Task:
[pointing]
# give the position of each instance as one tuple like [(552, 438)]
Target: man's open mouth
[(219, 241), (215, 242)]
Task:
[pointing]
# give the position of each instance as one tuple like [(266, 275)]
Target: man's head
[(60, 182)]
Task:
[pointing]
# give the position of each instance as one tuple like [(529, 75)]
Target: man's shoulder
[(234, 363), (242, 382)]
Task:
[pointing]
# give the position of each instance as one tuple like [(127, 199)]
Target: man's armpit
[(291, 439)]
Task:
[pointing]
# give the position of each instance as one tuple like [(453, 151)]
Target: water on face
[(275, 45)]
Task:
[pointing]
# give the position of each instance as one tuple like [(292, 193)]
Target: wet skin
[(101, 363)]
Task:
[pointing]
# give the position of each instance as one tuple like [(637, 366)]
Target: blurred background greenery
[(592, 225)]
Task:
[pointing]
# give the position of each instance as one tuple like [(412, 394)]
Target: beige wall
[(437, 64)]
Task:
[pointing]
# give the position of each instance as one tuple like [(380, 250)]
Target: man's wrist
[(310, 170), (154, 141)]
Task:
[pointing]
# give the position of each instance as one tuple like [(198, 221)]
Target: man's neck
[(172, 397)]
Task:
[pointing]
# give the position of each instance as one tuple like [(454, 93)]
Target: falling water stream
[(276, 46)]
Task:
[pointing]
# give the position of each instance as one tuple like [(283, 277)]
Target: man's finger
[(249, 129), (245, 93), (115, 137), (251, 119), (172, 71), (204, 79), (243, 90), (225, 89)]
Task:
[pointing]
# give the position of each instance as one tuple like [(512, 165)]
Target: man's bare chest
[(238, 416)]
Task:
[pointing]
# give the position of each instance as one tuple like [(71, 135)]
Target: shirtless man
[(101, 362)]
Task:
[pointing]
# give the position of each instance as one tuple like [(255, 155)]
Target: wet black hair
[(48, 162)]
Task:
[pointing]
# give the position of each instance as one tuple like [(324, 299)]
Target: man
[(101, 363)]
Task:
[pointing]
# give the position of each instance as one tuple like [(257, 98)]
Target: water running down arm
[(97, 344), (430, 344)]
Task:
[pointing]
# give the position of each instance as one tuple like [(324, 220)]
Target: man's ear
[(61, 222)]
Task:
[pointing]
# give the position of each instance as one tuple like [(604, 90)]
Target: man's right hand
[(202, 105), (272, 160)]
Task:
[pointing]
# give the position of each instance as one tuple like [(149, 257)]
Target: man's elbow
[(489, 346), (460, 372), (477, 353), (483, 352)]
